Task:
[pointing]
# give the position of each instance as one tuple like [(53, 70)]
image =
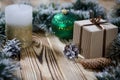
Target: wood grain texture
[(44, 60)]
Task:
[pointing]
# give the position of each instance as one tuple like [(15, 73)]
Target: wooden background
[(45, 60)]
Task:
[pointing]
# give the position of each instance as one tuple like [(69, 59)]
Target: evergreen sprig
[(115, 21), (2, 23), (114, 16), (2, 39), (114, 50), (44, 13), (8, 65), (42, 17), (87, 5), (7, 69), (109, 73), (11, 48)]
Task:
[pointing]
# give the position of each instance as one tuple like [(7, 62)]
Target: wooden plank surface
[(44, 60)]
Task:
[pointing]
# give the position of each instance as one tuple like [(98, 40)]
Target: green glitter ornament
[(62, 24)]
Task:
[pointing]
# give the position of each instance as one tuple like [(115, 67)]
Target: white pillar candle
[(19, 23)]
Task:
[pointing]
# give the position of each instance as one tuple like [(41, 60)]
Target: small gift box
[(93, 37)]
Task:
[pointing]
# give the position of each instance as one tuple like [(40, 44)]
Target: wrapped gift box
[(91, 39)]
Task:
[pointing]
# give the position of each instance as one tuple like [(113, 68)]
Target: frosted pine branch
[(11, 48)]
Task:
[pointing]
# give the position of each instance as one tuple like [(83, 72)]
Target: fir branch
[(11, 48), (42, 17), (84, 5), (44, 14), (87, 5), (109, 73), (82, 15), (117, 1), (114, 50), (115, 12), (2, 23), (7, 65), (7, 69), (2, 41), (114, 16), (115, 21)]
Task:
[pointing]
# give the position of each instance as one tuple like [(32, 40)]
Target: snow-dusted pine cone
[(71, 51), (97, 63)]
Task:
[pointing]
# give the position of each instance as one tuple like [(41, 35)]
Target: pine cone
[(71, 51), (97, 63)]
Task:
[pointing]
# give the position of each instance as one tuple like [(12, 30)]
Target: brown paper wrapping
[(91, 40)]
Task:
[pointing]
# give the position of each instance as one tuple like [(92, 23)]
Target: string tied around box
[(95, 21)]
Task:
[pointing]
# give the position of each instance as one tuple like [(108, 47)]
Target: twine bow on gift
[(96, 21)]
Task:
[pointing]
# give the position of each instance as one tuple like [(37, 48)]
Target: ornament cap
[(64, 11)]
